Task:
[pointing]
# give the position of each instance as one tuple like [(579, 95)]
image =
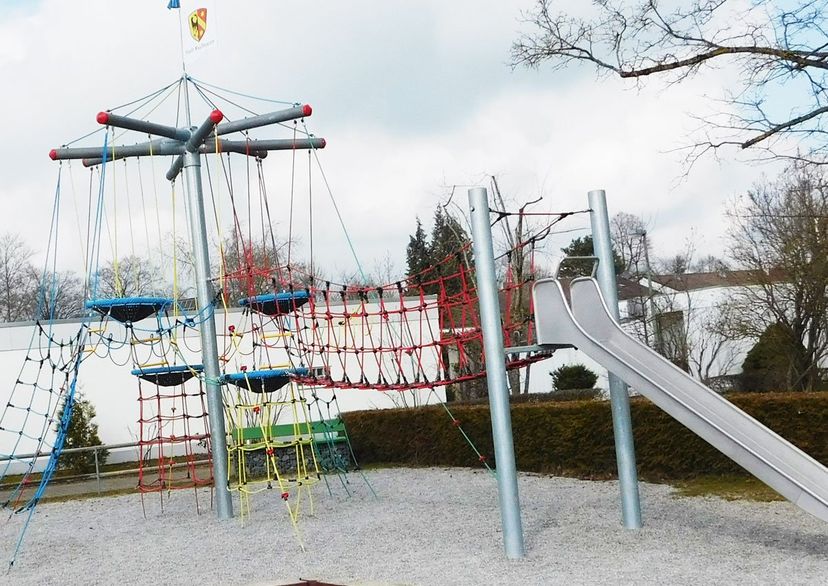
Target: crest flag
[(198, 28)]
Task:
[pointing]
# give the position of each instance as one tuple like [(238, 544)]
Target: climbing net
[(34, 419)]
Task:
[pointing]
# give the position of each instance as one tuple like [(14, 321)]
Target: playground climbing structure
[(239, 362)]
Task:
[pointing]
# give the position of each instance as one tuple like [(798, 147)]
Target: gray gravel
[(429, 526)]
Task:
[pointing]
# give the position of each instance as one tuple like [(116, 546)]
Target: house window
[(671, 338), (635, 309)]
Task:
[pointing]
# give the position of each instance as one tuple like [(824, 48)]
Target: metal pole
[(496, 374), (206, 298), (619, 398), (97, 470), (650, 301)]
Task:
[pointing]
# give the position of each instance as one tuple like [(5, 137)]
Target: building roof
[(629, 289), (695, 281)]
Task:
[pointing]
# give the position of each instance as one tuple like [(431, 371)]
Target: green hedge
[(576, 438)]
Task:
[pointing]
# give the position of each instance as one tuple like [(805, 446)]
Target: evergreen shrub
[(575, 438)]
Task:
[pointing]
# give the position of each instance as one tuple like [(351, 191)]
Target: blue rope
[(41, 297), (96, 241), (204, 83), (55, 226)]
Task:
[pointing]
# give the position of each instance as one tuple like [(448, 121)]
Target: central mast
[(205, 295)]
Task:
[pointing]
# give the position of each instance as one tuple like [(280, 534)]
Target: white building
[(680, 320)]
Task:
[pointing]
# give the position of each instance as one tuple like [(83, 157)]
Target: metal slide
[(589, 327)]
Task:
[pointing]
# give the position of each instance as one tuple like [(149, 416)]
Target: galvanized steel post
[(496, 373), (619, 398), (207, 328)]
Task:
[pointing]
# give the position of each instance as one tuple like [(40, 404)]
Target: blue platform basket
[(169, 376), (129, 309), (276, 303), (264, 381)]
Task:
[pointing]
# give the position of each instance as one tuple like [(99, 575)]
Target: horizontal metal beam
[(265, 119), (253, 146), (110, 119), (202, 132), (159, 146), (536, 349), (175, 168)]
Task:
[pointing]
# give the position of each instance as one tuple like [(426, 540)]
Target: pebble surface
[(427, 526)]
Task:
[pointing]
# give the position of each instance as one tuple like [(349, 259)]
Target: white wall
[(105, 378)]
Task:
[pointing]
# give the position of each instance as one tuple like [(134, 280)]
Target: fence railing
[(96, 450)]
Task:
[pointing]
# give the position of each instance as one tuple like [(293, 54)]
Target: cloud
[(413, 98)]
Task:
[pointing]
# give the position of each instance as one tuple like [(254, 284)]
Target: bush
[(769, 364), (576, 439), (576, 395), (575, 376)]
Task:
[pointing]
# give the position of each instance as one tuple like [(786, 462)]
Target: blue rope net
[(35, 420)]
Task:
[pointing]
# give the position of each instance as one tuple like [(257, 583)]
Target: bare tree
[(683, 261), (681, 325), (385, 270), (60, 295), (18, 279), (678, 264), (128, 277), (692, 335), (518, 241), (710, 264), (778, 49), (628, 233), (780, 232), (27, 293)]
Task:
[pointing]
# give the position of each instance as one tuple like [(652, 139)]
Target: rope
[(338, 214), (191, 78)]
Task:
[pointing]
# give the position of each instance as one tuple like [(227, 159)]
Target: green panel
[(332, 430)]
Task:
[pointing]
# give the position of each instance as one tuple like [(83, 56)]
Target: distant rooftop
[(696, 281)]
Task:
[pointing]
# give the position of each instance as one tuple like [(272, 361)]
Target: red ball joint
[(216, 116), (231, 329), (482, 458), (53, 154), (455, 422), (244, 369), (285, 496), (256, 409), (102, 118), (307, 110), (269, 451)]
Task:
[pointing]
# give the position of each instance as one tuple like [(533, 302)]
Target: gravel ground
[(429, 526)]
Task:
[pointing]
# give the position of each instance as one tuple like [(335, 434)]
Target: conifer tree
[(80, 433), (417, 253)]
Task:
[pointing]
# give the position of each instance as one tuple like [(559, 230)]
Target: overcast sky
[(412, 98)]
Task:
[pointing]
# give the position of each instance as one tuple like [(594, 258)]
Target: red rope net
[(420, 332), (174, 437)]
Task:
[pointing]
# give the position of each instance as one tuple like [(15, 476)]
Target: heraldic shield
[(198, 23)]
